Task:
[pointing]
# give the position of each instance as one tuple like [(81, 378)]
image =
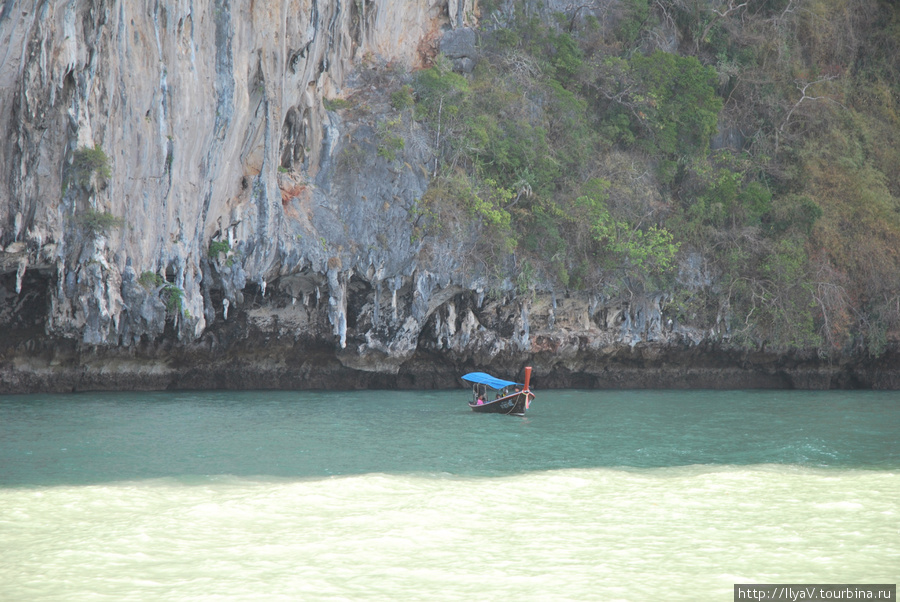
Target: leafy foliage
[(766, 143), (90, 167), (149, 279), (664, 103), (389, 142), (403, 98), (98, 223), (218, 246), (335, 104), (173, 297)]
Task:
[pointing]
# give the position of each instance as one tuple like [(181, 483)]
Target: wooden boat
[(497, 396)]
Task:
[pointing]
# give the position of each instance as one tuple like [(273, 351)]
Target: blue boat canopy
[(483, 378)]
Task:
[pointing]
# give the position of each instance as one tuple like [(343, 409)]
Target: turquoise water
[(634, 495)]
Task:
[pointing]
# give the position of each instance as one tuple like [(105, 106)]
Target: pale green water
[(640, 495)]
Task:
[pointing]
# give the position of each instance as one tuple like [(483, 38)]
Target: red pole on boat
[(527, 391)]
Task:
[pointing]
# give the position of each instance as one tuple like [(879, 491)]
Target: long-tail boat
[(497, 396)]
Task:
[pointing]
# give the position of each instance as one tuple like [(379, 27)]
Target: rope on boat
[(515, 403)]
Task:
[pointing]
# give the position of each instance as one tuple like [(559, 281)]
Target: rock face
[(197, 107), (189, 201)]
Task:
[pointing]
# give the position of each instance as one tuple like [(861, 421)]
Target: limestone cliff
[(240, 227)]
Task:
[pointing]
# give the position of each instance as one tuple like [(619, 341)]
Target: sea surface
[(390, 495)]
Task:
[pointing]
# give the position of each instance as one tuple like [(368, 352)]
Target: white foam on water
[(686, 533)]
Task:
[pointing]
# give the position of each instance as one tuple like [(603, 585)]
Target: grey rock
[(215, 129), (459, 43)]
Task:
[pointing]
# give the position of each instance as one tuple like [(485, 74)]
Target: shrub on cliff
[(97, 223), (149, 279), (90, 168)]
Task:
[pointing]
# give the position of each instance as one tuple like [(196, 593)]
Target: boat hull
[(513, 405)]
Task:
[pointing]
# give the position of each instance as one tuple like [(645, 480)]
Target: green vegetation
[(390, 142), (221, 246), (97, 223), (90, 168), (173, 297), (582, 153), (403, 98), (218, 246), (335, 104), (149, 279)]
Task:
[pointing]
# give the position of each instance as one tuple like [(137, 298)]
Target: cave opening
[(359, 293), (23, 315)]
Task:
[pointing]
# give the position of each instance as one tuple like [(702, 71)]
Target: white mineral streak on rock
[(451, 319), (394, 302), (438, 331), (20, 273), (523, 339), (197, 103), (551, 318), (189, 100), (376, 306), (337, 305)]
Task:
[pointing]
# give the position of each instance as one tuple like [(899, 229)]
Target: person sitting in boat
[(480, 401)]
